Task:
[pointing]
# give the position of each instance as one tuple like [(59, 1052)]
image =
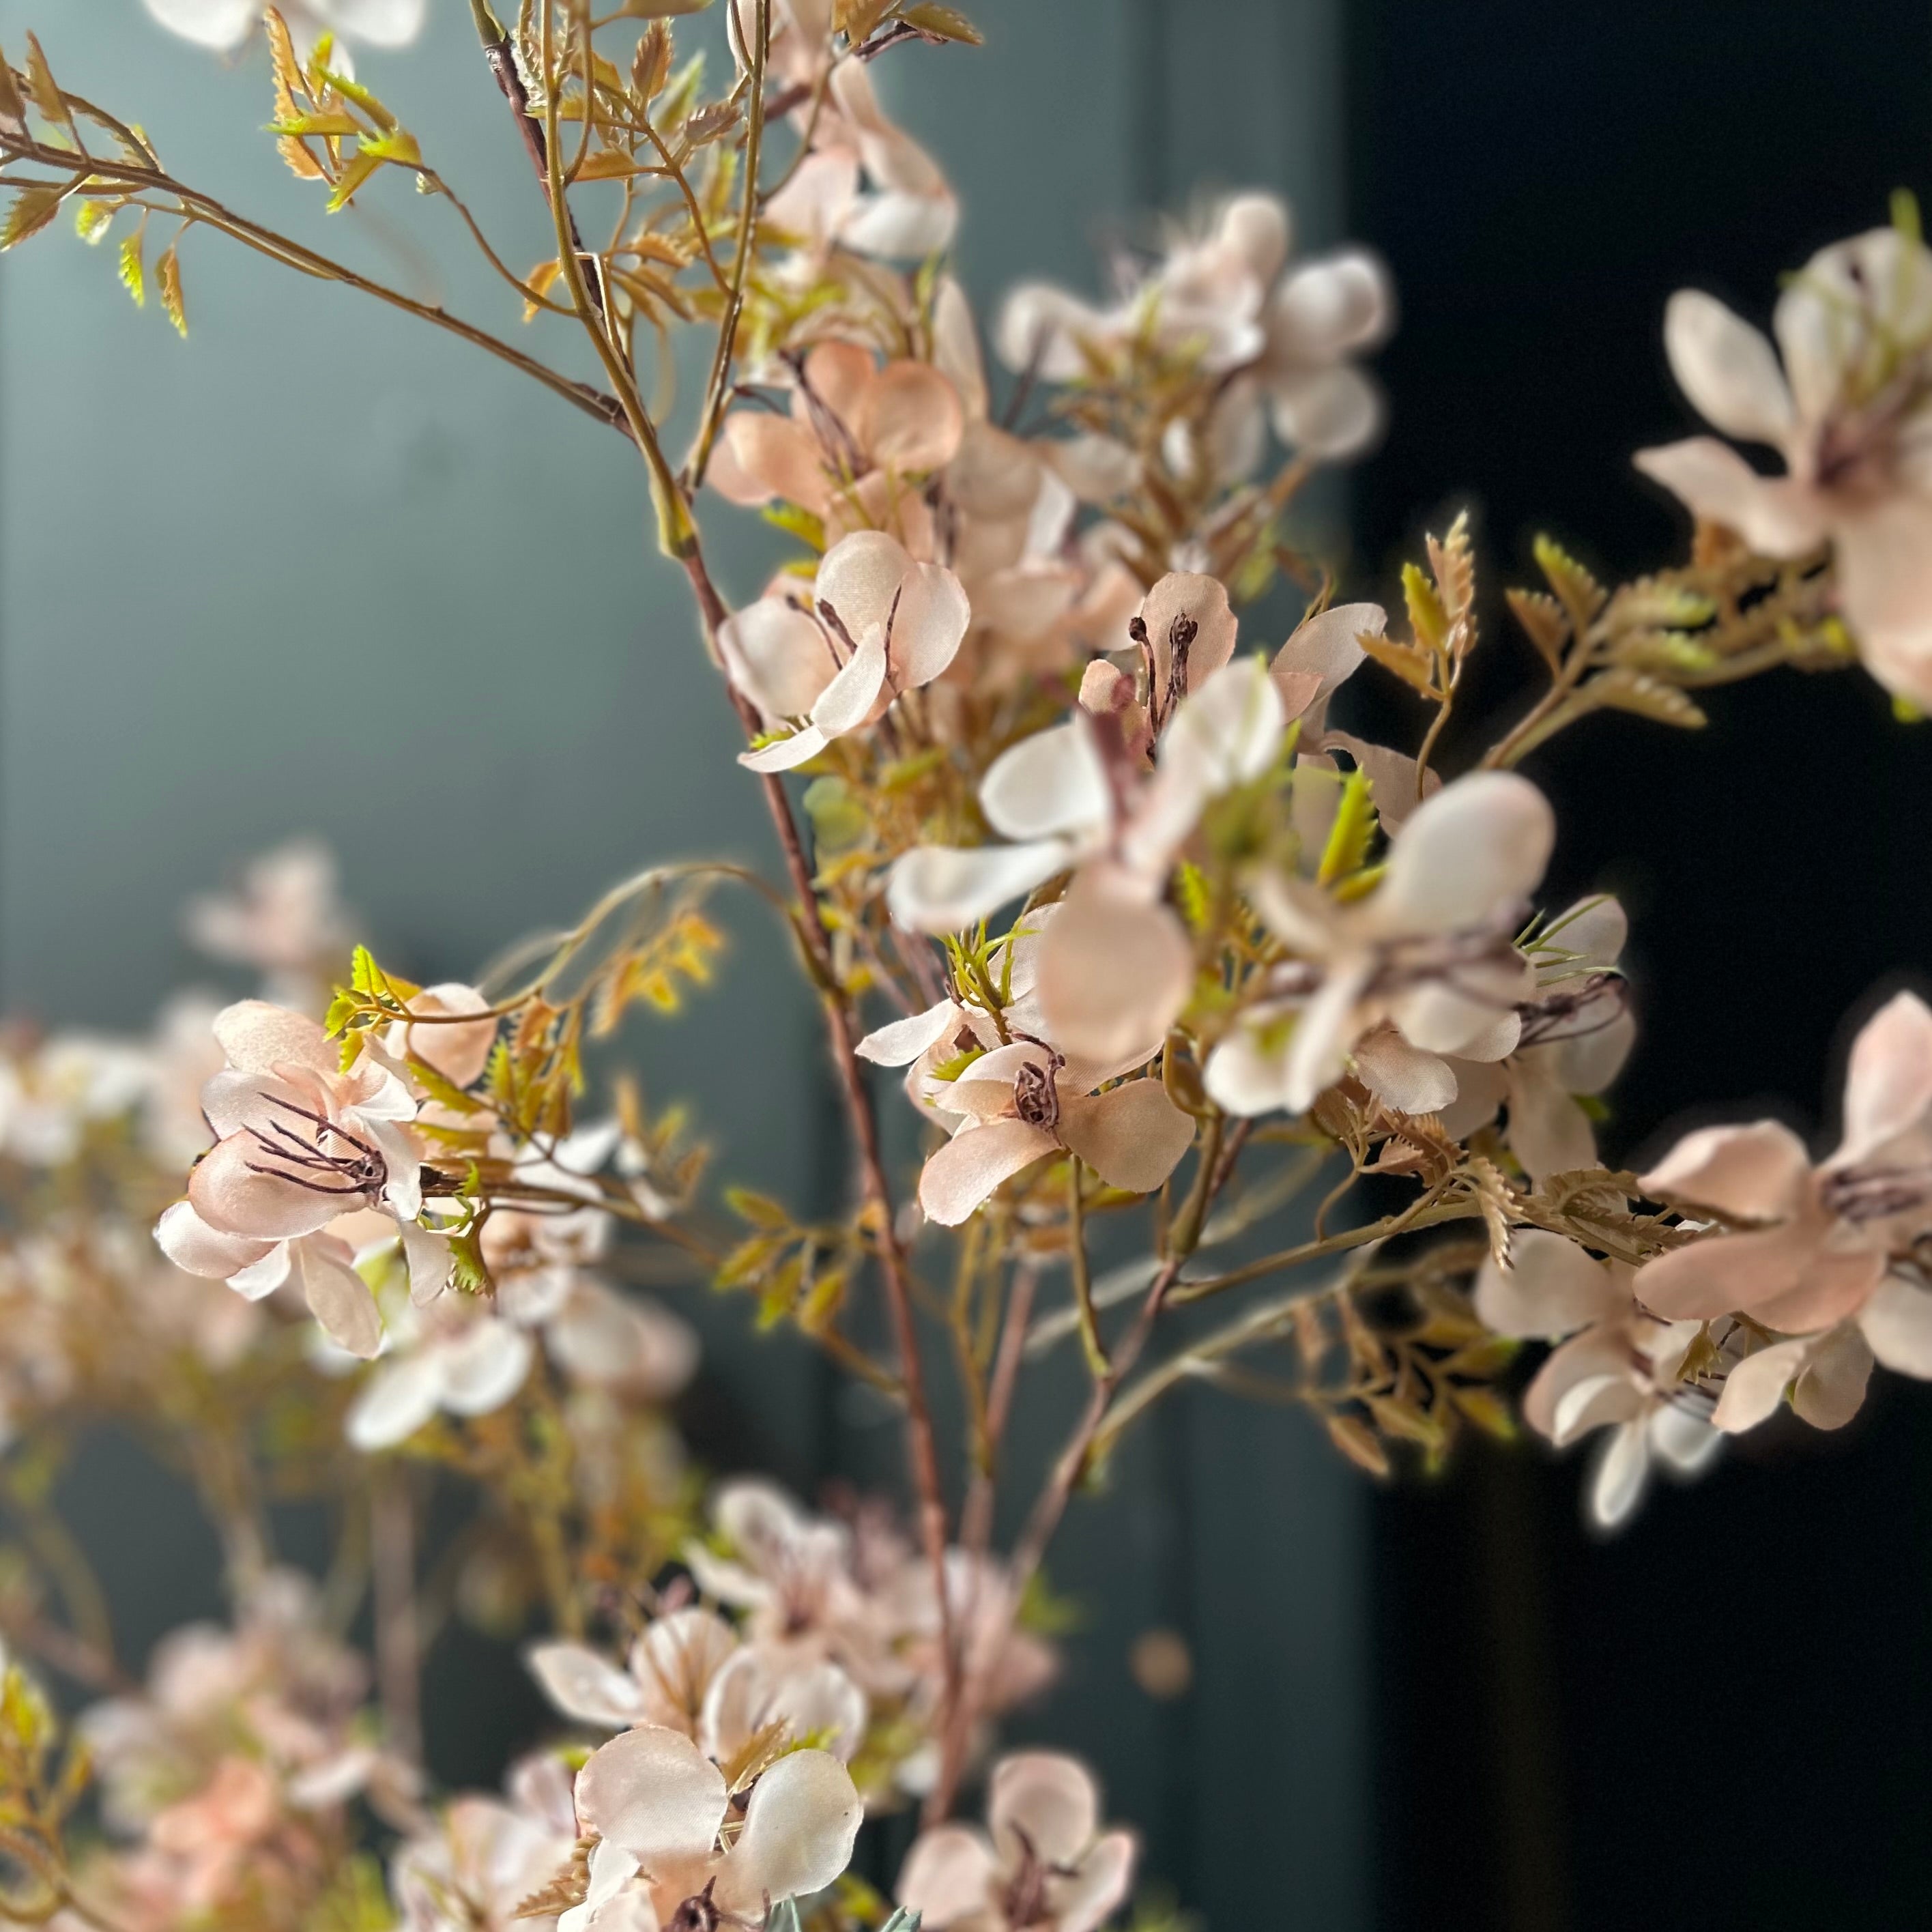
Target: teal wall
[(320, 568)]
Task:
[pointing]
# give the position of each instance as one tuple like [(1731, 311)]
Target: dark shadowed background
[(298, 574)]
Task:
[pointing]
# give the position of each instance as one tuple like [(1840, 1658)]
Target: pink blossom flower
[(1422, 968), (226, 24), (666, 1681), (852, 451), (484, 1857), (878, 624), (1620, 1370), (286, 920), (1850, 411), (1043, 1864), (1821, 1255), (300, 1145)]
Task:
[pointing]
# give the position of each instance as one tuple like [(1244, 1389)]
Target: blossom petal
[(1831, 1387), (1617, 1483), (968, 1169), (939, 889), (339, 1298), (777, 656), (1325, 1033), (1469, 857), (193, 1246), (259, 1037), (899, 1043), (771, 456), (458, 1052), (1182, 598), (652, 1793), (230, 1193), (1553, 1287), (583, 1685), (909, 418), (1132, 1136), (1228, 733), (396, 1401), (1898, 1323), (1754, 1390), (928, 625), (1114, 973), (1334, 412), (1044, 1803), (800, 1826), (1402, 1076), (948, 1875), (1753, 1173), (1325, 645), (859, 577), (1888, 1083), (1052, 783), (485, 1367), (1773, 515), (1728, 369)]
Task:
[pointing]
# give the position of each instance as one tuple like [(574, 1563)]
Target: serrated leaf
[(13, 107), (948, 23), (1427, 618), (168, 282), (332, 123), (1621, 688), (33, 208), (650, 66), (607, 164), (1579, 593), (1542, 621), (91, 221), (858, 20), (354, 90), (1348, 836), (42, 86), (1452, 564), (714, 119), (1415, 670), (397, 146), (1358, 1441)]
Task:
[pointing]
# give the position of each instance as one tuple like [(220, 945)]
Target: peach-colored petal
[(1831, 1387), (948, 1875), (859, 577), (652, 1793), (928, 626), (777, 656), (1045, 1803), (458, 1052), (1773, 515), (1598, 1362), (1115, 971), (910, 419), (1754, 1390), (1472, 854), (258, 1038), (1838, 1284), (1727, 368), (840, 375), (338, 1298), (1186, 604), (191, 1244), (1087, 1896), (1325, 645), (230, 1194), (1897, 1322), (967, 1170), (800, 1826), (1552, 1288), (1760, 1172), (1132, 1136), (771, 456), (1402, 1076), (1720, 1274)]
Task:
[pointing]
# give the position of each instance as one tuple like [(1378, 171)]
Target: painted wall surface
[(320, 568)]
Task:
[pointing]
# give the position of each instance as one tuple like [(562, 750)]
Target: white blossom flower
[(223, 25), (1850, 411), (1043, 1864), (485, 1857), (658, 1804)]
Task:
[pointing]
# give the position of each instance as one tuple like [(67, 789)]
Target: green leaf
[(1580, 594), (761, 1209), (91, 221), (1427, 617), (1348, 836), (355, 175)]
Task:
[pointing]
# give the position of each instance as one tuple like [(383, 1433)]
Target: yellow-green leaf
[(858, 20), (91, 221), (1426, 617), (134, 277), (1580, 593), (167, 279), (947, 23), (1348, 836), (1408, 664), (360, 166)]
